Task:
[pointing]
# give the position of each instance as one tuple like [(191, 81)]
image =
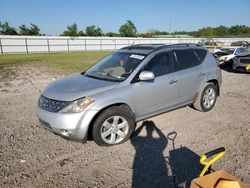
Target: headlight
[(77, 106)]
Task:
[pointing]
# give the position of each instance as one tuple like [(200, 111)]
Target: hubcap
[(209, 98), (114, 129)]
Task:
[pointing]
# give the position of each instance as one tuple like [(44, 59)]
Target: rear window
[(187, 58)]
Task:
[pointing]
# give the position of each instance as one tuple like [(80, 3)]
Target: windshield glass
[(228, 50), (115, 67)]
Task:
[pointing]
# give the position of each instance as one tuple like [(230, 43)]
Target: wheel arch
[(216, 83), (89, 135)]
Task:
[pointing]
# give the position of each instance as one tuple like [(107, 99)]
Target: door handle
[(202, 74), (173, 81)]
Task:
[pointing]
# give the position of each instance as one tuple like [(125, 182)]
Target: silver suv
[(130, 85)]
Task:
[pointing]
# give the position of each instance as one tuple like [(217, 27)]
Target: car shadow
[(152, 169)]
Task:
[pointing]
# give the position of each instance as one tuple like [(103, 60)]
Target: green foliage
[(71, 30), (94, 31), (152, 32), (32, 30), (112, 34), (128, 29), (5, 29), (222, 31), (81, 33), (239, 30), (206, 31)]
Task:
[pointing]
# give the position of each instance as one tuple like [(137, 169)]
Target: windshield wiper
[(99, 78), (91, 76)]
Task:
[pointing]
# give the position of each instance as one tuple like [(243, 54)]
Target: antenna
[(132, 45)]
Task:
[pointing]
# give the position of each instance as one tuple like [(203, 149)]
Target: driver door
[(156, 96)]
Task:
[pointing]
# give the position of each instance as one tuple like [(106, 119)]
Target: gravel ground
[(31, 156)]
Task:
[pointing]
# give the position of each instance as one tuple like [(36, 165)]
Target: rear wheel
[(113, 126), (206, 99)]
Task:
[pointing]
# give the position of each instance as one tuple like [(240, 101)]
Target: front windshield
[(115, 67), (228, 50)]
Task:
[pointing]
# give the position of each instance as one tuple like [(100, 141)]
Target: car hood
[(76, 86), (224, 57)]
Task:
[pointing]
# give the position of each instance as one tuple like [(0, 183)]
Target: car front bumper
[(73, 126)]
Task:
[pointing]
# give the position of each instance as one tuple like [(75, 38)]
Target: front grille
[(245, 61), (51, 105)]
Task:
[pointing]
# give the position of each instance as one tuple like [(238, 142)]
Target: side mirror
[(146, 75)]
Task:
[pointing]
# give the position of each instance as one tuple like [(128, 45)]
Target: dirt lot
[(30, 156)]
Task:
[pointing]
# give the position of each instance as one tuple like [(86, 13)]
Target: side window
[(242, 50), (187, 58), (160, 64)]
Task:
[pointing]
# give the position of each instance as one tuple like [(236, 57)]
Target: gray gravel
[(30, 156)]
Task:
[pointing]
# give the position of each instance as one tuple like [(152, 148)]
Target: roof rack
[(187, 44), (178, 44), (144, 46), (156, 46)]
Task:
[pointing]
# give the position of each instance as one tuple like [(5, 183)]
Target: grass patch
[(61, 62)]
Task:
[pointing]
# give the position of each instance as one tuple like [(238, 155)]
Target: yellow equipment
[(248, 67), (219, 152)]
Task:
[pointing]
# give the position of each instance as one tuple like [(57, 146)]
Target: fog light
[(65, 132)]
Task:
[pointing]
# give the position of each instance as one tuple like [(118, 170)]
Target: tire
[(113, 126), (206, 99)]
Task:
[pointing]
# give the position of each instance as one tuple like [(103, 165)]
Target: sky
[(53, 16)]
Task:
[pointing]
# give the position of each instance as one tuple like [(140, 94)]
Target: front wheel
[(113, 126), (206, 99)]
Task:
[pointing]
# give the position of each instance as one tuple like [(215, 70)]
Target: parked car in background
[(210, 42), (240, 43), (225, 55), (241, 62), (128, 86)]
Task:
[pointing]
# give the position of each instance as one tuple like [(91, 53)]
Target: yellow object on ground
[(218, 154), (248, 67)]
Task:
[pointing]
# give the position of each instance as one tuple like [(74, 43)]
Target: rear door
[(191, 72)]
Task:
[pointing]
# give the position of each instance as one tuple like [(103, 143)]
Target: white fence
[(51, 44)]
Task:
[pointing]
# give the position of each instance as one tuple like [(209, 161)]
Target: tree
[(221, 31), (72, 30), (128, 29), (33, 30), (81, 33), (5, 29), (94, 31), (112, 34), (240, 30)]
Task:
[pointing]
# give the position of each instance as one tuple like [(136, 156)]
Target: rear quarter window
[(201, 53), (187, 58)]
